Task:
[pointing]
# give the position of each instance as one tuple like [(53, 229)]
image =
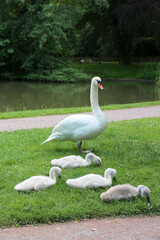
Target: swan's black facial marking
[(99, 162), (100, 84)]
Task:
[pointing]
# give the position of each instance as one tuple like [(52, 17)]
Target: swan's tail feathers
[(19, 187), (69, 182), (16, 188), (51, 137)]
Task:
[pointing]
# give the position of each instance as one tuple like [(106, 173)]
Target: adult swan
[(80, 127)]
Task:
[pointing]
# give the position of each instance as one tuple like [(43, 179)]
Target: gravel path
[(50, 121), (134, 228)]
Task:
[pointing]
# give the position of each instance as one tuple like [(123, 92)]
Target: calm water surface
[(16, 96)]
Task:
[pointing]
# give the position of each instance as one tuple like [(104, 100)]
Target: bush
[(60, 75), (158, 74), (147, 72)]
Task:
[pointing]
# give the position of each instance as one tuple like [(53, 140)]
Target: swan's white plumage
[(79, 127), (73, 161), (125, 191), (39, 182), (93, 180)]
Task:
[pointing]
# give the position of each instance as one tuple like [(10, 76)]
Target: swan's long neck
[(52, 174), (108, 177), (94, 99), (140, 190), (94, 102), (88, 158)]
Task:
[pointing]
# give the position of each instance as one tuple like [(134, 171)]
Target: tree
[(134, 20), (35, 37), (115, 30), (91, 25)]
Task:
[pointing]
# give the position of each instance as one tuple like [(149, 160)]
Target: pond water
[(17, 96)]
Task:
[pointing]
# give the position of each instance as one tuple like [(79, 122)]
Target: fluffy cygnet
[(39, 182), (76, 161), (125, 191), (93, 180)]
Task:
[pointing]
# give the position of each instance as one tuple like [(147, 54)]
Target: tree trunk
[(125, 51)]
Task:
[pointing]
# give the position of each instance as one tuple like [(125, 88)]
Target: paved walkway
[(50, 121), (134, 228)]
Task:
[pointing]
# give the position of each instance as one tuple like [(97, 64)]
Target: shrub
[(147, 72), (158, 74), (60, 75)]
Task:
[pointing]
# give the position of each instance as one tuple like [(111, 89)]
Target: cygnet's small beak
[(100, 86), (60, 176), (115, 178)]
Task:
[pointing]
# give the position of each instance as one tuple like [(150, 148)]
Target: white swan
[(81, 127), (93, 180), (39, 182), (125, 191), (76, 161)]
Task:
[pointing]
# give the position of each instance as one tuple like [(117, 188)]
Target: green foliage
[(60, 75), (148, 71), (158, 74), (35, 38), (131, 147), (46, 112), (116, 29), (120, 71)]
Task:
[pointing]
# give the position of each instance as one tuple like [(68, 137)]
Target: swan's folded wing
[(73, 121), (76, 127), (70, 165), (94, 181), (41, 185)]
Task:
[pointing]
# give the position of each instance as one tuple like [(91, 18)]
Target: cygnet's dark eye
[(98, 81)]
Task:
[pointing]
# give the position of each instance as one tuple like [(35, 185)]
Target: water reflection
[(15, 96)]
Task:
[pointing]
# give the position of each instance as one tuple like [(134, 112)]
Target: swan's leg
[(80, 148)]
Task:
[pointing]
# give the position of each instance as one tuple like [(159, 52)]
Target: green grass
[(46, 112), (131, 147), (120, 71)]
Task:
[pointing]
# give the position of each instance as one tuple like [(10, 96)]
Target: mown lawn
[(131, 147), (46, 112)]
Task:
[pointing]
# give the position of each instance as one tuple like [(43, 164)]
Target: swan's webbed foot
[(80, 148)]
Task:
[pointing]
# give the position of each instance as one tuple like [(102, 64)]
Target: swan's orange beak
[(100, 86)]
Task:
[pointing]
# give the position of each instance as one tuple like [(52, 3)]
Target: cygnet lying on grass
[(39, 182), (125, 191), (76, 161), (93, 180)]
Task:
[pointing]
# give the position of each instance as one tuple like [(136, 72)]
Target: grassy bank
[(46, 112), (120, 71), (131, 147)]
